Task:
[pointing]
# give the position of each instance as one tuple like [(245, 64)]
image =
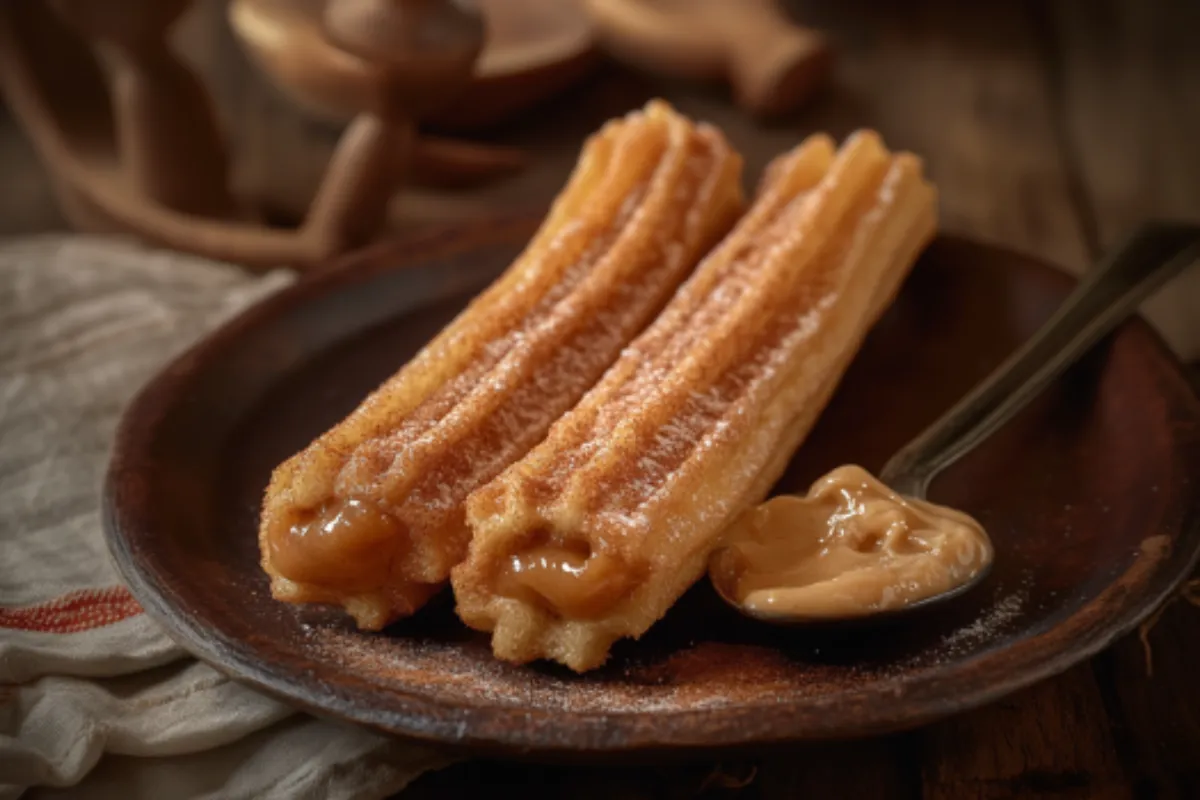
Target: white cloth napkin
[(95, 700)]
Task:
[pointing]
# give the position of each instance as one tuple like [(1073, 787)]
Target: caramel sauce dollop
[(851, 547)]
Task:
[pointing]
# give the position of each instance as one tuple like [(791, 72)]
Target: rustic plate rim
[(1099, 623)]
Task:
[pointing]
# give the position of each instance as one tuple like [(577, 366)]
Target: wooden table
[(1051, 127)]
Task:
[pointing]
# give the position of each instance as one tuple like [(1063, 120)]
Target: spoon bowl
[(1108, 294)]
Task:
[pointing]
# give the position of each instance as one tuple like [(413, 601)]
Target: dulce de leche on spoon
[(851, 548), (370, 515)]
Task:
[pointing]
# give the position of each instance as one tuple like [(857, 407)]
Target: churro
[(596, 532), (370, 515)]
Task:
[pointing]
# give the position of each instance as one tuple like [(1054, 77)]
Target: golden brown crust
[(702, 412), (652, 192)]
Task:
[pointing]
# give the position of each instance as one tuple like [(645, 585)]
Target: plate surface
[(1086, 495)]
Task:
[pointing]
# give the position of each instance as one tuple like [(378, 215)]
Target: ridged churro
[(596, 532), (370, 516)]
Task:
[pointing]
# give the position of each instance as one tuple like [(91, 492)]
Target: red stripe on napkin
[(74, 612)]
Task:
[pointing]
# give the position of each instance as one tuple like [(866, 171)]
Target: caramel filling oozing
[(347, 544), (851, 547), (571, 580)]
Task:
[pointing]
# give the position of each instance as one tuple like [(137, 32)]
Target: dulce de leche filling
[(849, 548), (568, 578), (346, 544)]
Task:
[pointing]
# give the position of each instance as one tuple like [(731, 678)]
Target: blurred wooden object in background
[(534, 50), (132, 138), (772, 63), (168, 144)]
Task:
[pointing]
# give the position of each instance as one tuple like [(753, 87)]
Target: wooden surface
[(1049, 126)]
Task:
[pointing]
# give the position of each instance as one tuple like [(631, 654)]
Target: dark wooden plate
[(1087, 496)]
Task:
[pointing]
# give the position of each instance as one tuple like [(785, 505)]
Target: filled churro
[(370, 516), (596, 532)]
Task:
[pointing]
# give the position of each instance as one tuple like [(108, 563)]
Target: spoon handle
[(1103, 299)]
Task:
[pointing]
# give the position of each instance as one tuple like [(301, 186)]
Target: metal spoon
[(1108, 294)]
